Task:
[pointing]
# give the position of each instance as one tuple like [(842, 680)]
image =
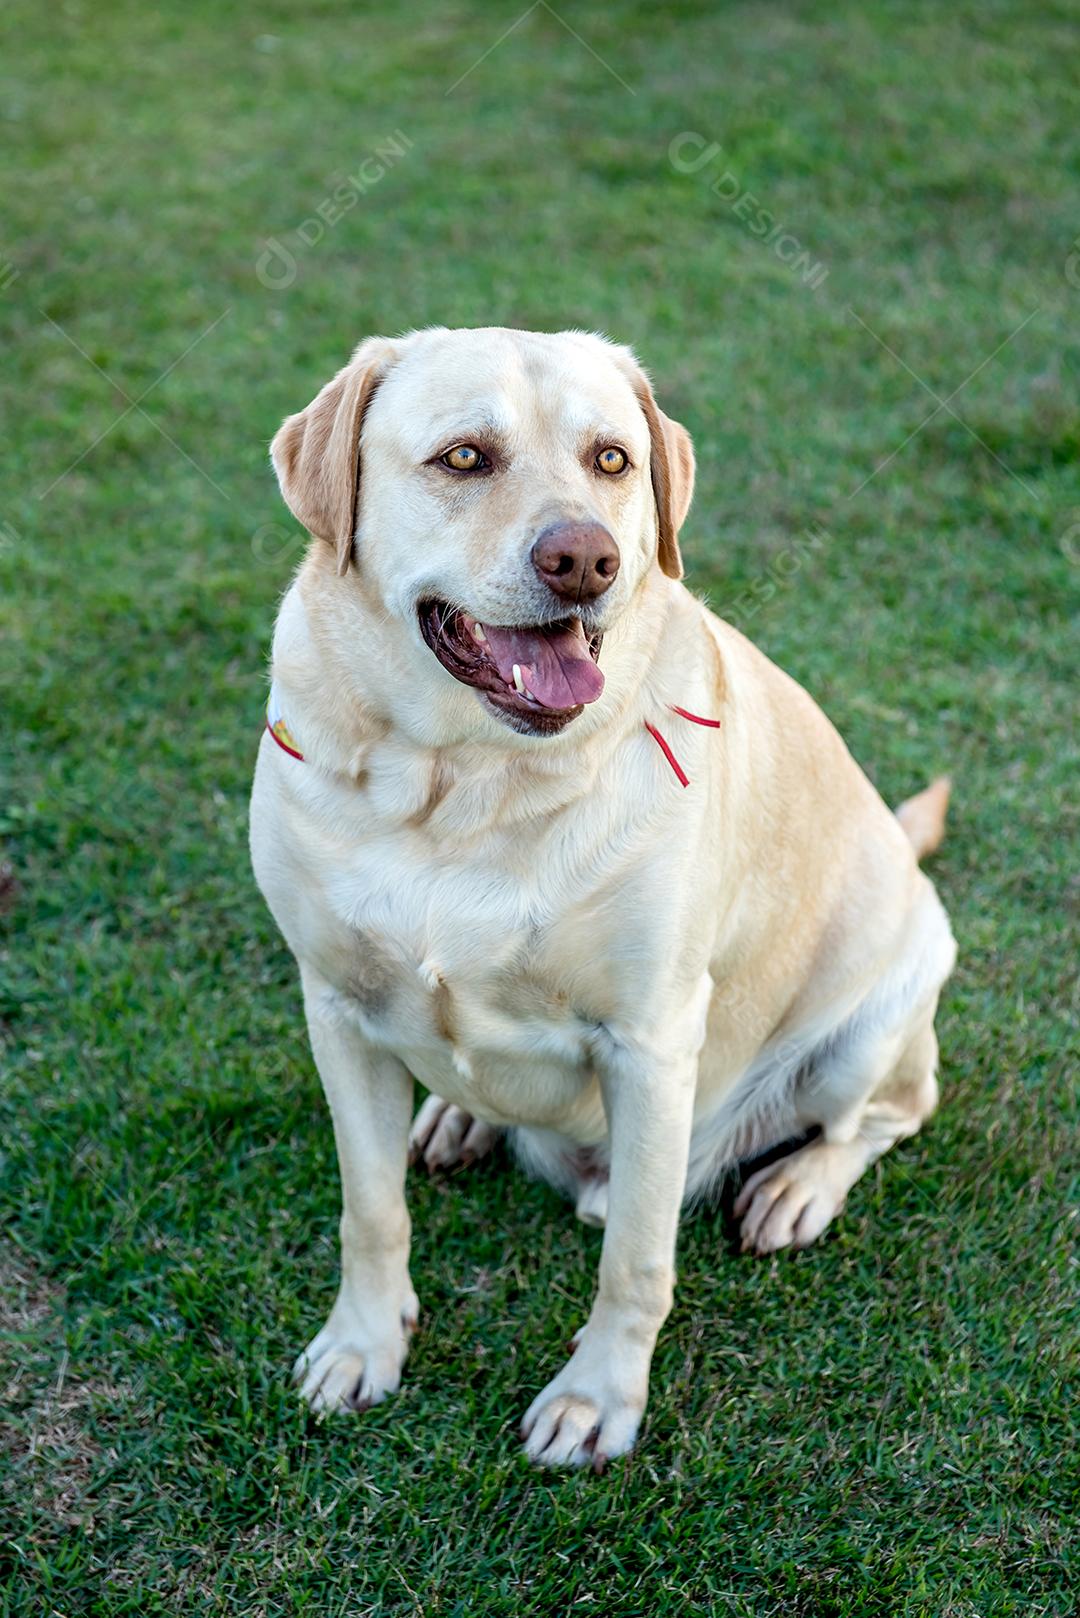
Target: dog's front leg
[(356, 1359), (592, 1409)]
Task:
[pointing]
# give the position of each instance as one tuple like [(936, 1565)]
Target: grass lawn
[(880, 1425)]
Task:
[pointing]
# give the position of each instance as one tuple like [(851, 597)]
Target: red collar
[(278, 729), (696, 719)]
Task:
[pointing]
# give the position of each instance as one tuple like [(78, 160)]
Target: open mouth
[(538, 679)]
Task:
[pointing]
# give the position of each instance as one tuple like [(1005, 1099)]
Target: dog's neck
[(365, 705)]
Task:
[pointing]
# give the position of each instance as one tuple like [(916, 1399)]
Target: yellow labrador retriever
[(544, 833)]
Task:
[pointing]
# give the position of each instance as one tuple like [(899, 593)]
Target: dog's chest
[(463, 970)]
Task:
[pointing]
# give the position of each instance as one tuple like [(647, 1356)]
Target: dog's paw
[(445, 1136), (790, 1202), (583, 1417), (350, 1367)]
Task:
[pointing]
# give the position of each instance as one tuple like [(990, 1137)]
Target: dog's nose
[(578, 560)]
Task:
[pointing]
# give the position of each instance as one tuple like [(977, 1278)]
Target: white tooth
[(519, 683), (478, 631)]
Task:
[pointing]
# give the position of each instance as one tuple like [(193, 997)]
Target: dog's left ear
[(316, 453), (671, 459)]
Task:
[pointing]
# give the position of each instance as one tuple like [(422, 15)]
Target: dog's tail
[(923, 816)]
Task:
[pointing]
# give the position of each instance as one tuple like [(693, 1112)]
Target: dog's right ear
[(316, 453)]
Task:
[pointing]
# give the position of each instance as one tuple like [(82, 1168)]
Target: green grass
[(881, 1425)]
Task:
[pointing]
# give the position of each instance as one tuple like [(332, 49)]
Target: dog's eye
[(464, 458), (610, 460)]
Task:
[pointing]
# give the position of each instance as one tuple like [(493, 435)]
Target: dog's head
[(504, 493)]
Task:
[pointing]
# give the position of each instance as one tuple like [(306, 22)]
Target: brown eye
[(610, 460), (463, 458)]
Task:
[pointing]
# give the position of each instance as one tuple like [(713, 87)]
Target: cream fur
[(642, 983)]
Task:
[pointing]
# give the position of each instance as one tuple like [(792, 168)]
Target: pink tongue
[(556, 665)]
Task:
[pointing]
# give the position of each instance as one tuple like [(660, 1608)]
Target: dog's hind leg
[(445, 1136), (580, 1172), (791, 1201)]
